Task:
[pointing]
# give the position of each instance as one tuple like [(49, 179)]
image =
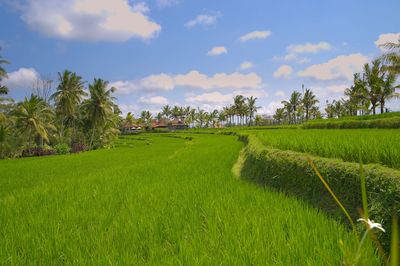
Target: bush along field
[(157, 199)]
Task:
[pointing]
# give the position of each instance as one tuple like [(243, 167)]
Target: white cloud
[(140, 7), (293, 57), (193, 79), (217, 50), (255, 35), (90, 20), (124, 86), (385, 38), (341, 67), (284, 71), (219, 80), (331, 92), (280, 93), (158, 82), (270, 108), (154, 100), (309, 48), (204, 20), (213, 98), (246, 65), (167, 3), (23, 78)]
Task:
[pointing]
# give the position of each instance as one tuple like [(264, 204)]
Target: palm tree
[(238, 103), (67, 98), (387, 91), (175, 112), (374, 81), (98, 108), (279, 115), (33, 119), (252, 108), (159, 116), (166, 110), (330, 109), (213, 116), (309, 101), (129, 119), (200, 117), (293, 104), (392, 58), (3, 74)]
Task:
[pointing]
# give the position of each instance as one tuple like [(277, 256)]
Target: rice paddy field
[(372, 145), (162, 200)]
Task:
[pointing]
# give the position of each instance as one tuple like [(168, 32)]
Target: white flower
[(371, 224)]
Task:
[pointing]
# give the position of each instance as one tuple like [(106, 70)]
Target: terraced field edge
[(289, 172)]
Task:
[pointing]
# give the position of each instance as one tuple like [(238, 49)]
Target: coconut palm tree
[(251, 107), (392, 57), (3, 74), (279, 115), (159, 116), (98, 108), (374, 82), (175, 112), (34, 119), (129, 119), (292, 105), (166, 110), (309, 101), (67, 97), (387, 91), (239, 103)]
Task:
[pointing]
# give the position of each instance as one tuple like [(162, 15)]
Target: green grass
[(374, 145), (157, 200)]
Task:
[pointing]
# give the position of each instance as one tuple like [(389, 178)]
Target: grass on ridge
[(374, 145)]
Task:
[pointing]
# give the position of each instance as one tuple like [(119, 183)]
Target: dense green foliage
[(183, 206), (70, 118), (373, 145), (290, 172)]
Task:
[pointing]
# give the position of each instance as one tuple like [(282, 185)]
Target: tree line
[(77, 116), (241, 112)]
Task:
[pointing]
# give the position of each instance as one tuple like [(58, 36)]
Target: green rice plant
[(172, 202), (372, 145)]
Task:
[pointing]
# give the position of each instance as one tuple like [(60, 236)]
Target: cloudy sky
[(192, 52)]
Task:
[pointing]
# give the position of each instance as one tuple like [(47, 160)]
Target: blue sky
[(198, 53)]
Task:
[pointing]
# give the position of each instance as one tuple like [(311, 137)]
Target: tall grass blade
[(332, 193), (394, 252), (363, 192)]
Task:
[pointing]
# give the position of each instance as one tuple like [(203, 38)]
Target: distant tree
[(292, 105), (392, 57), (374, 82), (67, 98), (3, 74), (34, 119), (252, 108), (387, 91), (309, 101), (166, 110), (98, 108), (279, 115)]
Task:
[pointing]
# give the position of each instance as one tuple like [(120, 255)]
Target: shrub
[(38, 151), (62, 148), (78, 147)]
